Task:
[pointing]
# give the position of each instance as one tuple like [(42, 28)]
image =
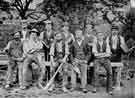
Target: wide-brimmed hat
[(34, 30)]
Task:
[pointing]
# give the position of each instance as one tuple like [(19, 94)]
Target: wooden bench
[(119, 67), (3, 59)]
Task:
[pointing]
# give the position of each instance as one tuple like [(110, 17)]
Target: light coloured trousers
[(12, 66), (38, 59), (83, 74)]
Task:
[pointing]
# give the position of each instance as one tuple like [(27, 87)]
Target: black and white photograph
[(67, 48)]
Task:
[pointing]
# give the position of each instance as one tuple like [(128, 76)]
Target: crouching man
[(14, 50), (80, 53), (102, 52), (59, 53), (33, 53)]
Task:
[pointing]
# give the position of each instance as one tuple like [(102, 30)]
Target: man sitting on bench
[(33, 53), (101, 50)]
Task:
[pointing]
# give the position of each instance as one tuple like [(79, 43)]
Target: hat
[(115, 27), (12, 34), (47, 22), (34, 30), (65, 24)]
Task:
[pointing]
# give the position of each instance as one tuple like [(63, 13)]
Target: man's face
[(48, 26), (24, 28), (58, 37), (33, 35), (100, 36), (79, 34), (115, 32), (89, 29), (65, 28), (17, 35)]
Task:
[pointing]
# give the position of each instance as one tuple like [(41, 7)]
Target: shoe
[(51, 88), (94, 90), (117, 88), (110, 93), (72, 89), (23, 87), (40, 85), (7, 86), (65, 90), (84, 90)]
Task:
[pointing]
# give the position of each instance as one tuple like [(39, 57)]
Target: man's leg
[(10, 72), (26, 63), (52, 72), (96, 65), (65, 77), (73, 79), (40, 61), (20, 73), (83, 69), (107, 66), (118, 78)]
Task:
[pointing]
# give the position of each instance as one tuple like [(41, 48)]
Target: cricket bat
[(52, 79)]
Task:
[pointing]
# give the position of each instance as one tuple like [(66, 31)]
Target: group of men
[(74, 52)]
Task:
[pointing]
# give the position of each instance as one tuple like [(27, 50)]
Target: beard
[(78, 38), (58, 40), (17, 38)]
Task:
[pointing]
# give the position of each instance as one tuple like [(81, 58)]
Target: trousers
[(82, 66), (38, 59), (107, 65), (13, 64)]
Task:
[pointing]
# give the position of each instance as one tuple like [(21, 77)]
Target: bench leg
[(118, 78)]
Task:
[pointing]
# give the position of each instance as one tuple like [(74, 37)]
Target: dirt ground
[(127, 91)]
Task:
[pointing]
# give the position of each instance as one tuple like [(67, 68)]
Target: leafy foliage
[(4, 5), (22, 7)]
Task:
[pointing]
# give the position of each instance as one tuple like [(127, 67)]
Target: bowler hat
[(115, 27)]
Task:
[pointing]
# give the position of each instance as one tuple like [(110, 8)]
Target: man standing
[(33, 53), (47, 37), (102, 52), (15, 52), (118, 47), (89, 33), (69, 37), (59, 53), (80, 51), (117, 44)]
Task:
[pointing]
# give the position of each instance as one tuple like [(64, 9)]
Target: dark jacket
[(87, 51)]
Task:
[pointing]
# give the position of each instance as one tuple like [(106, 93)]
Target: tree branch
[(19, 10), (18, 4)]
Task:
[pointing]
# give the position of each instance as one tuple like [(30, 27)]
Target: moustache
[(16, 37)]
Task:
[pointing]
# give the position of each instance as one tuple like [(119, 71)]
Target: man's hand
[(64, 60), (20, 59), (52, 61), (32, 50), (101, 55), (4, 51)]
